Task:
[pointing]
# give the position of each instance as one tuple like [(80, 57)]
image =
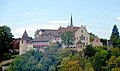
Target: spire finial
[(71, 22)]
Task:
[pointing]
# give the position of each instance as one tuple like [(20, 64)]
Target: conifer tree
[(115, 31), (115, 36)]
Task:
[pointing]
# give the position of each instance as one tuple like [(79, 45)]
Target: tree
[(70, 65), (88, 66), (90, 51), (113, 63), (115, 52), (115, 36), (37, 33), (104, 41), (27, 62), (92, 36), (5, 40), (115, 31), (67, 38), (116, 69), (99, 60)]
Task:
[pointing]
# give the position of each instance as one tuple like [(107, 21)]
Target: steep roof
[(42, 39), (57, 33), (48, 32), (25, 36), (69, 28)]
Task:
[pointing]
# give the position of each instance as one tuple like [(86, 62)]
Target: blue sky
[(99, 16)]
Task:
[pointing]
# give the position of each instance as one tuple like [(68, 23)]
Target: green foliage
[(115, 52), (52, 68), (88, 66), (90, 51), (28, 61), (116, 69), (5, 40), (37, 33), (113, 63), (99, 60), (70, 65), (104, 41), (56, 58), (6, 56), (115, 37), (92, 36), (115, 31), (67, 38), (115, 41)]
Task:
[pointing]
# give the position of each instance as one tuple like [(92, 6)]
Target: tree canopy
[(115, 36), (6, 39), (67, 38), (115, 31)]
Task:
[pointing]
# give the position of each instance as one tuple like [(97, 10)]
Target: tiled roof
[(57, 33), (48, 32), (25, 36), (42, 39), (69, 28)]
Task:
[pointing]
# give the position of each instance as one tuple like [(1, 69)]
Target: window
[(82, 37), (83, 44), (74, 38), (22, 41), (80, 46), (86, 43), (86, 38), (55, 38), (81, 31)]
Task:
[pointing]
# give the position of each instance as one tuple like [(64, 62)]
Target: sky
[(99, 16)]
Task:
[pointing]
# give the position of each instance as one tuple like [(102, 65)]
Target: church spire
[(71, 22)]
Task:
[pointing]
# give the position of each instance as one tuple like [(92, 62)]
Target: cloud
[(118, 18), (59, 21), (1, 24), (18, 31)]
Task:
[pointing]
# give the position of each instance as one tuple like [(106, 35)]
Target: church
[(46, 37)]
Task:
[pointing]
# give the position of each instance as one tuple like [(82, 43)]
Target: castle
[(46, 37)]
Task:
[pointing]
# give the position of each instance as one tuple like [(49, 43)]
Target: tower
[(23, 43), (71, 21)]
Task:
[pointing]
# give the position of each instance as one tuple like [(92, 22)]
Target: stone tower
[(23, 43)]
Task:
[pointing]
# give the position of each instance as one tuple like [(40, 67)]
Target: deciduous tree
[(67, 38)]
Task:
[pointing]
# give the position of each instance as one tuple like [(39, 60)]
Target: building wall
[(96, 42), (79, 47), (30, 47), (23, 46), (83, 35), (57, 39)]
